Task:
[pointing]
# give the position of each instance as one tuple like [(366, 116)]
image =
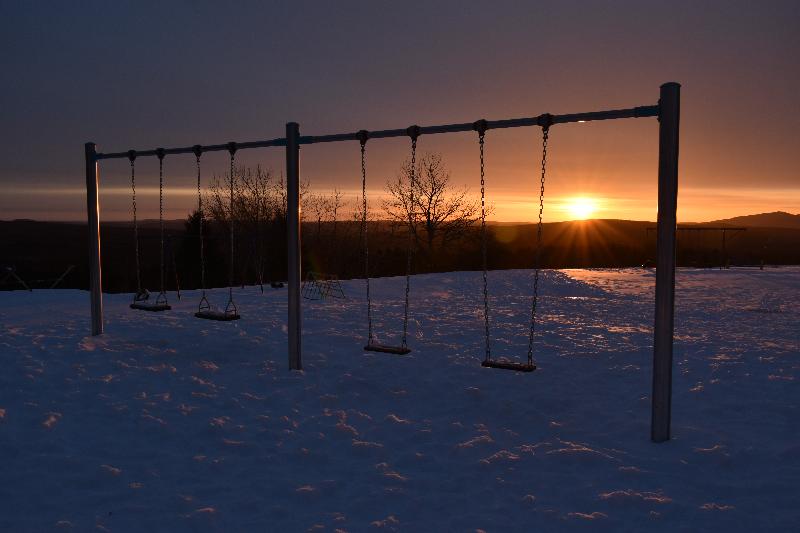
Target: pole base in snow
[(397, 350), (508, 365)]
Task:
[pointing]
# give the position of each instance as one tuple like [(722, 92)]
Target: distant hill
[(176, 225), (41, 251), (777, 219)]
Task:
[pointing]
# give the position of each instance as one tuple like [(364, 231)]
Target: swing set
[(141, 298), (480, 126), (667, 110)]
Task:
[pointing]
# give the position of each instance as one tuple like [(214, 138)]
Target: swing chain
[(413, 132), (140, 295), (363, 136), (198, 151), (162, 295), (537, 266), (481, 126)]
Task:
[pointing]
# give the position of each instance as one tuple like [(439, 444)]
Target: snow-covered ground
[(169, 423)]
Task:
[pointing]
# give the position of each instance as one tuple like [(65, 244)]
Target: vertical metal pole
[(93, 212), (669, 117), (724, 252), (293, 235)]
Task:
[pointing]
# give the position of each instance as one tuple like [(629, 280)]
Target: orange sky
[(610, 165), (164, 84)]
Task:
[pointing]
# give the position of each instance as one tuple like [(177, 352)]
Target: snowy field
[(169, 423)]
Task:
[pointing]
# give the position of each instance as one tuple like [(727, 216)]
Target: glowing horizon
[(507, 207), (738, 151)]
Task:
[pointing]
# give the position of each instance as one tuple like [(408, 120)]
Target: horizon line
[(496, 222)]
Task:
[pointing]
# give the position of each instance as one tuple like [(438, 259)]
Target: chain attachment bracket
[(414, 132), (362, 136)]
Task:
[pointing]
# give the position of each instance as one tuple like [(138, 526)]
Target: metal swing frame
[(141, 300), (204, 309), (372, 346), (321, 286), (667, 110), (489, 361)]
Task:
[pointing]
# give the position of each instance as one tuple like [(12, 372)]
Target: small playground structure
[(319, 286)]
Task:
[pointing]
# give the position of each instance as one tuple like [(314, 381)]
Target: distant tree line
[(444, 224), (440, 219)]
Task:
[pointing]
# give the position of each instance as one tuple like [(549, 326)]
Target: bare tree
[(323, 210), (318, 208), (439, 213), (357, 214), (335, 202), (259, 195), (258, 214)]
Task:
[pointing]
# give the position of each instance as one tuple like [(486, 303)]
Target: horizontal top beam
[(540, 120), (190, 149)]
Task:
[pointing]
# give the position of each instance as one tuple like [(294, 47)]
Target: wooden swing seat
[(397, 350), (221, 316), (509, 365), (142, 306)]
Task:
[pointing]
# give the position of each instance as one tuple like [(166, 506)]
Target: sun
[(581, 208)]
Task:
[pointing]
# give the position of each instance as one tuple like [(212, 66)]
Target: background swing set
[(667, 111)]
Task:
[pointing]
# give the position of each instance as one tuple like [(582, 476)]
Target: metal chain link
[(201, 216), (488, 356), (230, 273), (231, 307), (411, 221), (537, 266), (132, 157), (364, 235), (162, 295), (171, 242)]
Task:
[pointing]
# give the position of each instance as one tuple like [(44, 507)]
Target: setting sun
[(581, 208)]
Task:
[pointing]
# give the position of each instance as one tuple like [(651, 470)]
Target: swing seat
[(205, 312), (155, 307), (509, 365), (397, 350), (220, 316)]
